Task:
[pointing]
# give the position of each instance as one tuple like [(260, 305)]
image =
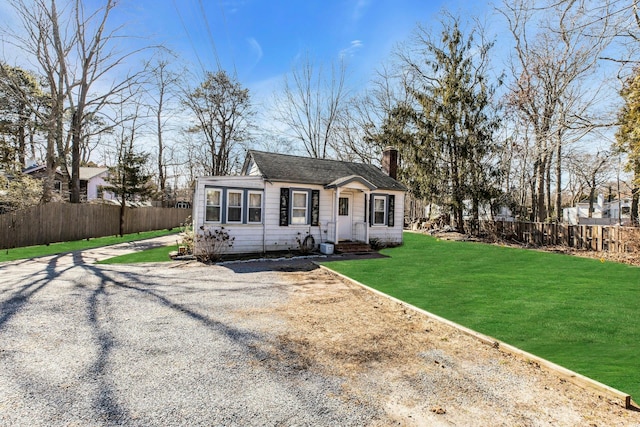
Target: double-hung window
[(234, 206), (255, 207), (379, 210), (299, 207), (214, 199)]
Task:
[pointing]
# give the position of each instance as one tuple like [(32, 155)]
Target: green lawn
[(150, 255), (579, 313), (58, 248)]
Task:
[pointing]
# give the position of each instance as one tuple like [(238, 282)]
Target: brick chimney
[(390, 162)]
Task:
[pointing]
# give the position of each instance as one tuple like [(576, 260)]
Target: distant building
[(616, 211), (92, 181), (40, 172)]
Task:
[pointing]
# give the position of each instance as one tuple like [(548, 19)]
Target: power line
[(210, 34), (193, 46)]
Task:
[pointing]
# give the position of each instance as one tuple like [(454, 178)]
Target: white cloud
[(350, 51), (255, 48)]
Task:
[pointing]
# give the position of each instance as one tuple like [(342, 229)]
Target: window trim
[(305, 219), (228, 206), (207, 205), (261, 194), (384, 211)]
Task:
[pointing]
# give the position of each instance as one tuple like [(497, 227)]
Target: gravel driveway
[(266, 344), (82, 344)]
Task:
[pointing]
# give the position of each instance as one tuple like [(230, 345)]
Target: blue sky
[(260, 40)]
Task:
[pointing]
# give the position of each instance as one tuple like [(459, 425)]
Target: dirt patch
[(420, 371)]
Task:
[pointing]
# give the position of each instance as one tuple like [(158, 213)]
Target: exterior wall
[(270, 235), (94, 183), (605, 213), (247, 237), (277, 237), (391, 235)]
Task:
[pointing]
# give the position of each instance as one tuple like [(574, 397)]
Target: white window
[(255, 207), (299, 207), (379, 210), (214, 198), (234, 206)]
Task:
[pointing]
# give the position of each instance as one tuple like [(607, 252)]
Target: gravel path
[(152, 345), (251, 344)]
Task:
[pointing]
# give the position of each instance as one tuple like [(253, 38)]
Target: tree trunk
[(559, 182), (634, 206), (75, 157), (540, 211), (121, 224)]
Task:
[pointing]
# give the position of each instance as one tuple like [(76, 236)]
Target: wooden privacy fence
[(63, 222), (607, 238)]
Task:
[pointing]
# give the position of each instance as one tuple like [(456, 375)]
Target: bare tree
[(163, 90), (362, 119), (128, 180), (310, 103), (592, 171), (75, 49), (556, 48), (223, 112)]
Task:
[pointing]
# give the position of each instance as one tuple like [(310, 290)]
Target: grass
[(58, 248), (150, 255), (577, 312)]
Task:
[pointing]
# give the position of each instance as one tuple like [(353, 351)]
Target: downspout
[(264, 216), (367, 203), (335, 214)]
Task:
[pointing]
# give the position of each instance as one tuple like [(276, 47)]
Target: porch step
[(352, 247)]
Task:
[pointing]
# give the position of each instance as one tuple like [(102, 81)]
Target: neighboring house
[(40, 172), (91, 182), (279, 200), (92, 179), (604, 213)]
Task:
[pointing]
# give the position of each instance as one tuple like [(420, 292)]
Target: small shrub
[(377, 244), (187, 235), (213, 243)]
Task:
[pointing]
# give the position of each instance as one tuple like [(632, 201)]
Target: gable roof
[(306, 170), (86, 173)]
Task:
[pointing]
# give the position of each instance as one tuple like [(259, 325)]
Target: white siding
[(247, 237), (278, 237), (270, 236), (391, 234)]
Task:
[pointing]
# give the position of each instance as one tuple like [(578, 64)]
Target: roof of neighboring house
[(86, 173), (38, 171), (34, 168), (306, 170)]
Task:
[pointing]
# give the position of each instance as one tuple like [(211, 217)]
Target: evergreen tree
[(628, 135), (21, 99), (128, 179), (446, 136)]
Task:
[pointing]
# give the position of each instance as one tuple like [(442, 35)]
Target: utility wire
[(186, 30), (210, 34)]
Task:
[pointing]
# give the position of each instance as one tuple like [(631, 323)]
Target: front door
[(345, 227)]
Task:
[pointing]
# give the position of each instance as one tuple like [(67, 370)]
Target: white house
[(604, 212), (279, 200), (92, 179)]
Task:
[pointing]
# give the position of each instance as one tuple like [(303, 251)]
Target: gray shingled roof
[(305, 170)]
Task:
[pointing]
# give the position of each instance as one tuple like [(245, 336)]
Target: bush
[(212, 243)]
